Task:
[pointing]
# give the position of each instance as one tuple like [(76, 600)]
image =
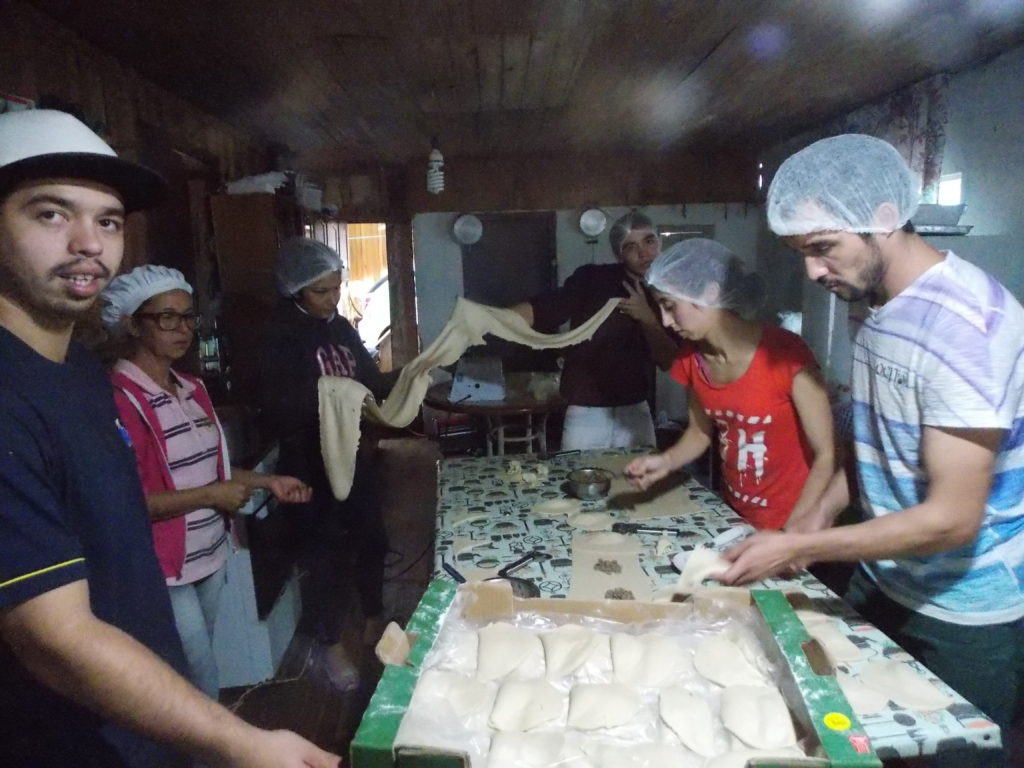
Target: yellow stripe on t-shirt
[(40, 572)]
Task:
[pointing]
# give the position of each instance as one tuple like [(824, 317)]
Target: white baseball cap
[(38, 143)]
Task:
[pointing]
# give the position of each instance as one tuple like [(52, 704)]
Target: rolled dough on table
[(556, 508), (902, 685)]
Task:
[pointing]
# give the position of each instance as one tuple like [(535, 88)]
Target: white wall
[(438, 260)]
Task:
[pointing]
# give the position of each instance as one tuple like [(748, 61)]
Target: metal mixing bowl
[(590, 483)]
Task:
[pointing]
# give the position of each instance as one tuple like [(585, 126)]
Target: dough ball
[(525, 750), (758, 715), (689, 716), (466, 696), (649, 661), (503, 649), (568, 648), (722, 660), (522, 705)]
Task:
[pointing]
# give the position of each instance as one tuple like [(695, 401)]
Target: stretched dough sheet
[(344, 401)]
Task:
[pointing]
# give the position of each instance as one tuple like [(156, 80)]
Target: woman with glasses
[(191, 489)]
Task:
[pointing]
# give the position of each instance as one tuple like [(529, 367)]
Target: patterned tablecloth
[(485, 521)]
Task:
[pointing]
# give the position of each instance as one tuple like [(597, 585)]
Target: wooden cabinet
[(248, 230)]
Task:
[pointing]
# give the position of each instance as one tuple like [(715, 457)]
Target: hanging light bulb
[(435, 170)]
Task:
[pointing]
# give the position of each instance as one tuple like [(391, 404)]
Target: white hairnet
[(302, 261), (708, 274), (127, 292), (838, 184)]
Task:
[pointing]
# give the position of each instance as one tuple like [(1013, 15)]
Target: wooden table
[(499, 527), (518, 421)]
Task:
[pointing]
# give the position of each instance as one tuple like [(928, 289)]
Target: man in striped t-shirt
[(938, 426)]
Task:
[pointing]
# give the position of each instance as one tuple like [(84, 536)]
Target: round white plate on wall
[(467, 229), (593, 222)]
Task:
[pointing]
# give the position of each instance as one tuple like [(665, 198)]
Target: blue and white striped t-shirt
[(946, 352)]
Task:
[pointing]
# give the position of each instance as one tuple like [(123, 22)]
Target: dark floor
[(301, 697)]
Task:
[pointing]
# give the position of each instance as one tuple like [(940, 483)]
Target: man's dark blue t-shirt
[(72, 508)]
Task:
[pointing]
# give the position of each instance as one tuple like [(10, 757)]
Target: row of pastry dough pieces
[(649, 660), (344, 401)]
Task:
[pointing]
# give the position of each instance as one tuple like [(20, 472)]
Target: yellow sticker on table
[(837, 721)]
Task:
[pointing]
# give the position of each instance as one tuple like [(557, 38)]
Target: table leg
[(542, 438)]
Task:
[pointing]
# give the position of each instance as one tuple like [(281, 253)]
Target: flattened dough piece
[(758, 715), (649, 661), (826, 630), (525, 704), (901, 684), (690, 717), (525, 750), (556, 508), (723, 661), (592, 521), (702, 564), (502, 649), (602, 705), (568, 648), (468, 697), (863, 700)]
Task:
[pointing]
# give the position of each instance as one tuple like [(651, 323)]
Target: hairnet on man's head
[(838, 184), (631, 222), (708, 274), (127, 292), (301, 262)]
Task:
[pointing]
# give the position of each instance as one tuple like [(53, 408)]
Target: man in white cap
[(938, 404), (89, 659)]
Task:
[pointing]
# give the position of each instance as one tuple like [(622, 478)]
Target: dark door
[(512, 261)]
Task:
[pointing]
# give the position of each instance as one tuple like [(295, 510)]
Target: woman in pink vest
[(191, 489)]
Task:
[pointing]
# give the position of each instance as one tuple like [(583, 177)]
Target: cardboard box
[(809, 687)]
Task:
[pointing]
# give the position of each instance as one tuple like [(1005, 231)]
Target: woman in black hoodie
[(307, 339)]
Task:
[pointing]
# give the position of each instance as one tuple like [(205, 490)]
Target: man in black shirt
[(90, 660), (608, 380)]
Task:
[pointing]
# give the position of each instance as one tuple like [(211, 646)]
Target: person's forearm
[(817, 483), (108, 672), (250, 478), (689, 447), (166, 505), (822, 511), (922, 530)]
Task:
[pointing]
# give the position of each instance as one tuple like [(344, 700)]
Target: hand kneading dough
[(649, 661), (502, 648), (568, 648), (903, 686), (467, 697), (602, 705), (525, 750), (689, 715), (863, 700), (758, 715), (525, 704), (723, 661), (702, 564)]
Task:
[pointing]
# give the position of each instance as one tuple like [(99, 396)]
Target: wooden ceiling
[(358, 83)]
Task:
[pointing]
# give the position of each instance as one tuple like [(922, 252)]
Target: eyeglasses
[(171, 321)]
